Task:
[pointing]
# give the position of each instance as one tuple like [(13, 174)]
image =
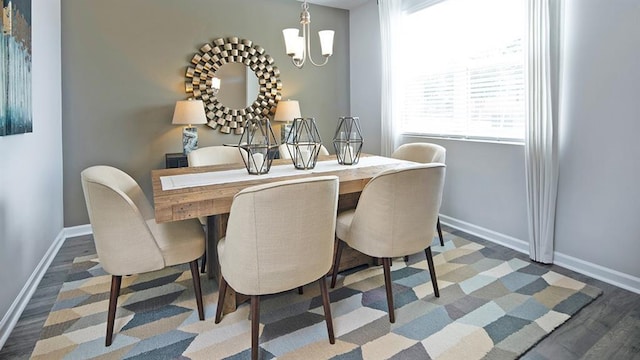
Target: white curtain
[(541, 152), (389, 13)]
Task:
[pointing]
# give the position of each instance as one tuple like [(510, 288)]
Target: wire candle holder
[(258, 146), (347, 140), (303, 143)]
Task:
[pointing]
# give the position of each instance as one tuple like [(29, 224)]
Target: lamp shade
[(189, 112), (287, 111), (290, 40), (326, 42)]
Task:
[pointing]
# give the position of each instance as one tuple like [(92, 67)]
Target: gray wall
[(484, 188), (366, 67), (31, 168), (599, 192), (123, 69), (599, 198)]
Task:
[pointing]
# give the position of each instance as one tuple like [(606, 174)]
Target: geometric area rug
[(489, 307)]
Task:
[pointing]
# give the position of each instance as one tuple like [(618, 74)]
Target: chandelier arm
[(305, 34), (326, 59)]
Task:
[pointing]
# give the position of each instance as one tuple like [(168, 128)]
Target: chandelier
[(298, 47)]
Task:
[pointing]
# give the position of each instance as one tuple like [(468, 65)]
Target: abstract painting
[(15, 68)]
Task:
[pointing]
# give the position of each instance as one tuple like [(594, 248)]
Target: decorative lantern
[(258, 146), (303, 143), (347, 140)]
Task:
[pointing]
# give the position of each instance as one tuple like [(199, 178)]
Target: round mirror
[(238, 85), (229, 114)]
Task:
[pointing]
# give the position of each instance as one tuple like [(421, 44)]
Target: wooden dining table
[(213, 201)]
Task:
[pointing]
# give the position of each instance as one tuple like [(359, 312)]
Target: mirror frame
[(208, 61)]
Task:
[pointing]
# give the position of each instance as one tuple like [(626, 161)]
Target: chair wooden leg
[(300, 290), (255, 326), (116, 280), (204, 263), (203, 266), (327, 309), (386, 265), (222, 291), (439, 232), (406, 258), (432, 271), (196, 287), (336, 262)]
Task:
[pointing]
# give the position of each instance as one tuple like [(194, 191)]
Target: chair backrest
[(118, 211), (284, 151), (214, 155), (280, 235), (397, 211), (421, 152)]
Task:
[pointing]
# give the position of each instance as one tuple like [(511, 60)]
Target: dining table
[(208, 191)]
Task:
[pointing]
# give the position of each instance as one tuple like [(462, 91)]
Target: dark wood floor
[(608, 328)]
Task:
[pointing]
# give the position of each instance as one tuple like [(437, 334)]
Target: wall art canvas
[(15, 68)]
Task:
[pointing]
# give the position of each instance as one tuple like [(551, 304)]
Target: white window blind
[(462, 74)]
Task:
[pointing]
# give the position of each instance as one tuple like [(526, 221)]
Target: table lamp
[(286, 112), (188, 112)]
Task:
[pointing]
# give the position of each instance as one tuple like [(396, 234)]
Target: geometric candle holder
[(347, 140), (304, 143), (258, 146)]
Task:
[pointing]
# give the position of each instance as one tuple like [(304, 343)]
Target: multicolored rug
[(488, 307)]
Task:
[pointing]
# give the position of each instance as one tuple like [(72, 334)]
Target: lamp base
[(285, 129), (189, 139)]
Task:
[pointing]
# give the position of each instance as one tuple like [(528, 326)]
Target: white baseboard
[(12, 315), (77, 231), (613, 277), (490, 235)]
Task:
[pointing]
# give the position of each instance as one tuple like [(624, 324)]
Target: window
[(463, 74)]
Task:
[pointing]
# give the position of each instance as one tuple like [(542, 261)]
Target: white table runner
[(229, 176)]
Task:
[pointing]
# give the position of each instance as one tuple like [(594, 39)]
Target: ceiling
[(340, 4)]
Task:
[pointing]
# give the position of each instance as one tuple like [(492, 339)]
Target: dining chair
[(283, 149), (127, 238), (265, 252), (213, 155), (423, 153), (395, 216)]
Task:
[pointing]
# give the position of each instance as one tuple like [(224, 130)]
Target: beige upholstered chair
[(265, 252), (284, 152), (213, 155), (128, 240), (395, 216), (423, 153)]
